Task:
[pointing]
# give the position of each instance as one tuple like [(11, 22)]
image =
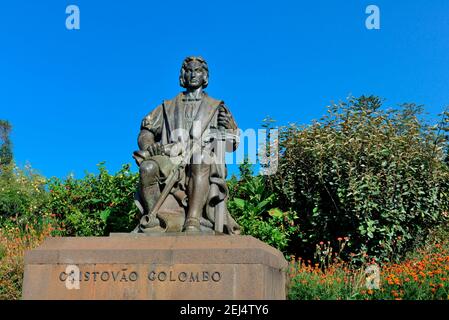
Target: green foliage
[(374, 175), (251, 204), (95, 205), (22, 196)]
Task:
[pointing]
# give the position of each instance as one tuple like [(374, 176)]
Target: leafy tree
[(6, 154), (363, 172)]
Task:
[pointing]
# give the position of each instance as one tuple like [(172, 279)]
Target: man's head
[(194, 73)]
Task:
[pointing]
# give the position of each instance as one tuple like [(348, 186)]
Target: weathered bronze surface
[(182, 144)]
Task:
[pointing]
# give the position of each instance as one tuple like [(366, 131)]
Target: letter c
[(62, 274)]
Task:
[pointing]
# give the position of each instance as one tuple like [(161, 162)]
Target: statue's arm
[(147, 140), (233, 138)]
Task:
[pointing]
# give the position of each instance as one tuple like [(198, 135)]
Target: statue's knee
[(149, 171)]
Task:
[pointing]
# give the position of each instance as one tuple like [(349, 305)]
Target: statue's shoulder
[(155, 116), (171, 102), (159, 109), (212, 101)]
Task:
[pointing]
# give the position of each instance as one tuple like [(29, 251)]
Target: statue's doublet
[(171, 115)]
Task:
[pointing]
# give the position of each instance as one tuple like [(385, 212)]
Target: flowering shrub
[(13, 244), (22, 195), (423, 275), (329, 278)]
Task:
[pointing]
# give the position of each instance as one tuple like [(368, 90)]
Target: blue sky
[(76, 97)]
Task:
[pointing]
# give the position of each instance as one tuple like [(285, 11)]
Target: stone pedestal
[(144, 267)]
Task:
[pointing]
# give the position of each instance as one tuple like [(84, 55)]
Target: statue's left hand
[(224, 119)]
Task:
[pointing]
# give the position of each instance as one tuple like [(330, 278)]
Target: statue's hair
[(203, 65)]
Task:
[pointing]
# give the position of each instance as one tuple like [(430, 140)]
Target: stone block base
[(148, 267)]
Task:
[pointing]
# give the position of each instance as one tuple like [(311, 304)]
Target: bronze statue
[(181, 160)]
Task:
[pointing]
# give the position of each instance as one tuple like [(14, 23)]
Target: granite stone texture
[(127, 266)]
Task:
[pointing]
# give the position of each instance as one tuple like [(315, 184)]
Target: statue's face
[(194, 75)]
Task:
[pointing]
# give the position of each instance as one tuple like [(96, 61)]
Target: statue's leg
[(149, 184), (198, 190)]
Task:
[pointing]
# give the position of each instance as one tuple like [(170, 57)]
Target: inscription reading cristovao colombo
[(125, 275), (202, 276)]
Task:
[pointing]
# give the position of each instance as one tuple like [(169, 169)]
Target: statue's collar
[(186, 97)]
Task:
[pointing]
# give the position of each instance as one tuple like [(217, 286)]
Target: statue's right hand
[(155, 149)]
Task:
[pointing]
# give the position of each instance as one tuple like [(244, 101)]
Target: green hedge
[(95, 205)]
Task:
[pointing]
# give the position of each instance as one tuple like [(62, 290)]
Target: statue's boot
[(198, 190), (150, 194)]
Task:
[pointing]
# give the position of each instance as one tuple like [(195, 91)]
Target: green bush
[(374, 175), (22, 196), (95, 205), (251, 204)]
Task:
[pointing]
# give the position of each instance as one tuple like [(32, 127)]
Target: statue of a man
[(183, 188)]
